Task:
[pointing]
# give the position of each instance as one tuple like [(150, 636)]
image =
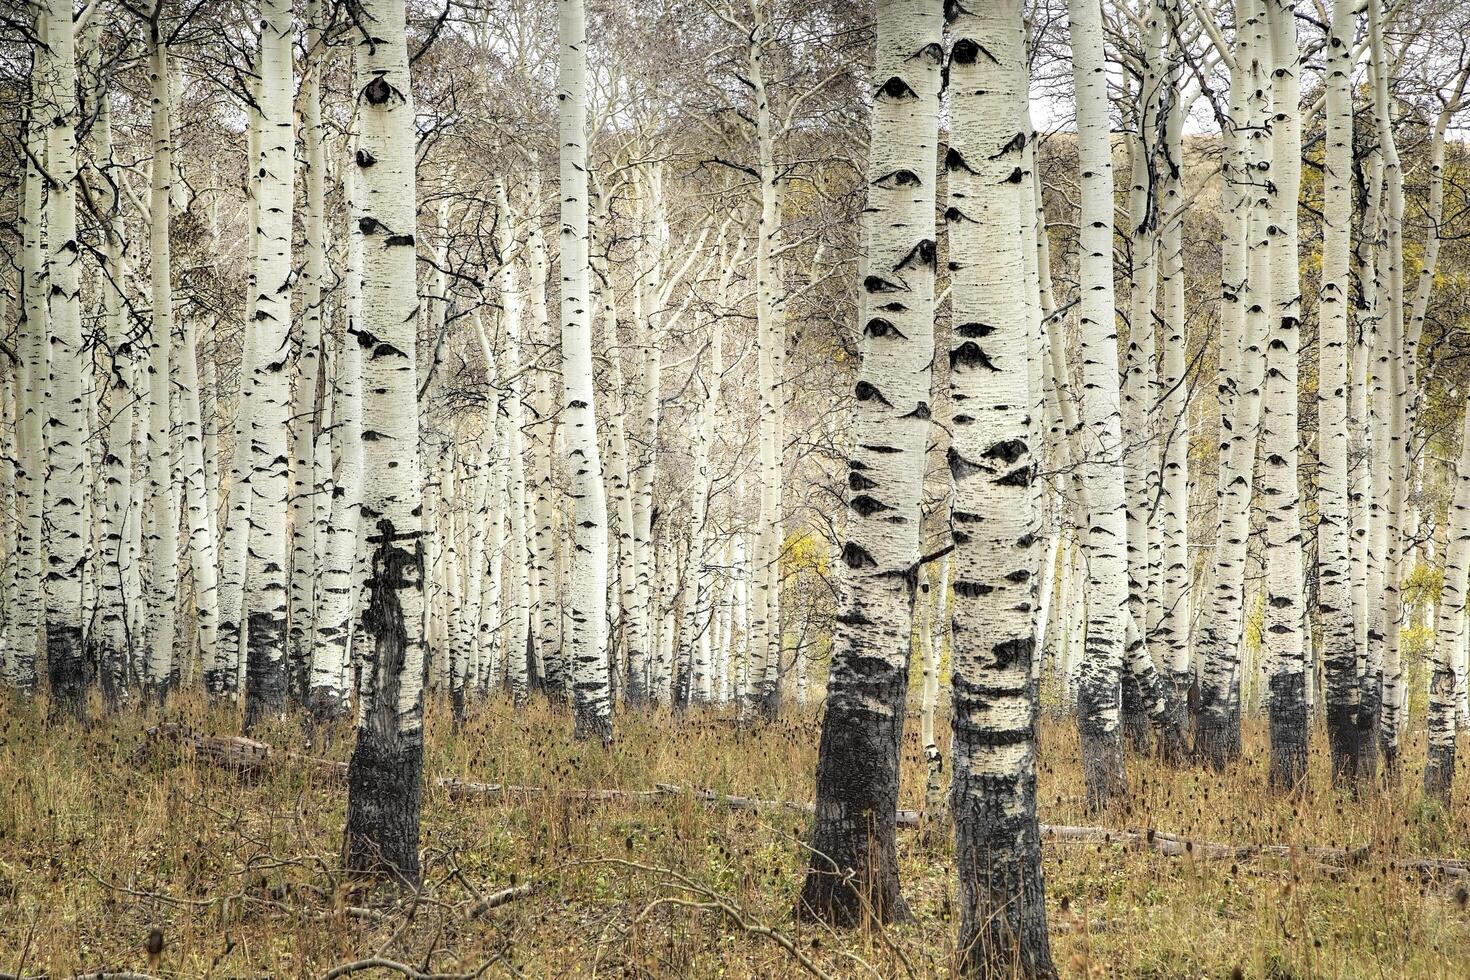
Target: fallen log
[(238, 752), (245, 754)]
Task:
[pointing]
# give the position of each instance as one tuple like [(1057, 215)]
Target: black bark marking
[(1007, 451), (897, 88), (855, 557), (970, 355), (377, 91)]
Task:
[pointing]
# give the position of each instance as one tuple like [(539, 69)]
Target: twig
[(379, 963)]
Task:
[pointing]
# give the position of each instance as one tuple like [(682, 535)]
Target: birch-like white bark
[(386, 772), (1107, 565), (586, 646), (266, 581)]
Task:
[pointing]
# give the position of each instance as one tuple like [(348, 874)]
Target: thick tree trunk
[(162, 518), (1283, 642), (993, 701), (65, 429), (24, 621), (385, 775), (854, 867), (1439, 769), (1107, 565), (585, 645), (266, 585), (1335, 602)]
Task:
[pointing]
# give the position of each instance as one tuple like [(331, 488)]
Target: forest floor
[(106, 836)]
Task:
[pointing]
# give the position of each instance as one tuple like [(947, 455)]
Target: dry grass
[(97, 848)]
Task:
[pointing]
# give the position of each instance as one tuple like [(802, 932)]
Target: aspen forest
[(734, 488)]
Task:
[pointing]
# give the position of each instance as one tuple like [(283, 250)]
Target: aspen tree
[(1139, 389), (32, 331), (1284, 647), (518, 603), (586, 603), (162, 517), (10, 371), (306, 411), (338, 586), (1172, 630), (770, 336), (386, 772), (1335, 602), (993, 702), (1439, 769), (1390, 467), (203, 555), (619, 482), (233, 546), (266, 585), (1245, 295), (854, 870), (545, 633), (65, 429), (1101, 471)]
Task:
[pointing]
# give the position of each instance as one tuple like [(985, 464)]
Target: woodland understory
[(106, 835), (745, 487)]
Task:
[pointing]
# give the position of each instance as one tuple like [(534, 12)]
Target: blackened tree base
[(589, 725), (1342, 743), (265, 669), (1174, 725), (1288, 719), (853, 874), (1439, 771), (769, 699), (1215, 736), (66, 671), (1002, 900), (384, 790), (1135, 719), (1103, 772)]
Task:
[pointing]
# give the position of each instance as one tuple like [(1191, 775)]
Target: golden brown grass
[(98, 846)]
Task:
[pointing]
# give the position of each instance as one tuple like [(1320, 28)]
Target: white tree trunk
[(1101, 471), (996, 560), (857, 768), (1284, 648), (1335, 601), (385, 774), (1444, 653), (338, 588), (307, 405), (66, 429), (229, 677), (162, 518), (545, 634), (586, 646), (32, 333), (266, 585)]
